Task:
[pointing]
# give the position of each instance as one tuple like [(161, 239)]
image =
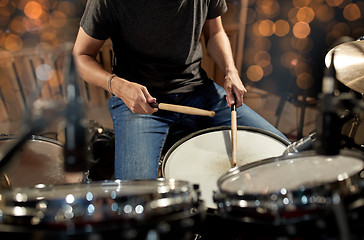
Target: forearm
[(92, 71), (219, 49), (135, 96)]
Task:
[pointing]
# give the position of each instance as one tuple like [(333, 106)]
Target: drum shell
[(286, 214)]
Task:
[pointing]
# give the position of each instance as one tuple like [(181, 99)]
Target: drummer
[(158, 58)]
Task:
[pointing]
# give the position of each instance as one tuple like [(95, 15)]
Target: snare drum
[(40, 160), (304, 195), (139, 209), (204, 156)]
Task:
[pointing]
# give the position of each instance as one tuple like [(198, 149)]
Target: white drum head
[(204, 156), (292, 174)]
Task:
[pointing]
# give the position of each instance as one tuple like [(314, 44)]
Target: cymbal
[(349, 64)]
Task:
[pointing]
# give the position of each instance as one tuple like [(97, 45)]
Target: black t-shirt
[(156, 42)]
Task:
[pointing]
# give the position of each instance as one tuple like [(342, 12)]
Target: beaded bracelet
[(109, 84)]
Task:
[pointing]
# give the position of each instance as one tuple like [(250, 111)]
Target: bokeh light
[(325, 13), (44, 72), (262, 58), (304, 80), (301, 30), (334, 3), (352, 12), (288, 42), (266, 28), (268, 8), (17, 26), (255, 73), (282, 28), (305, 14), (33, 9), (26, 23), (284, 39), (58, 19), (13, 43), (289, 59)]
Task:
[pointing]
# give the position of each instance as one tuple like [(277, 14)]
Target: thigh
[(139, 139), (214, 98), (248, 117)]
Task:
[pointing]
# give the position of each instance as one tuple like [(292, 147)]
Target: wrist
[(230, 70), (111, 77)]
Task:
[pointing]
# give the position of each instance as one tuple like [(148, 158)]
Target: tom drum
[(39, 161), (301, 196), (204, 156)]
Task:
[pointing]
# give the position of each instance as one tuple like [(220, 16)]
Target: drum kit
[(309, 189)]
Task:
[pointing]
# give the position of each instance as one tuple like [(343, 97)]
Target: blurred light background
[(285, 43), (25, 24)]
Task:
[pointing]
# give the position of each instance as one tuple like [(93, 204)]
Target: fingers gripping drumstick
[(183, 109)]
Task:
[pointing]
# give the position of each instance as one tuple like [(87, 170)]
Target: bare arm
[(134, 95), (218, 47)]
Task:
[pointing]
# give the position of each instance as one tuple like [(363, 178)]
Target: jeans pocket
[(118, 108)]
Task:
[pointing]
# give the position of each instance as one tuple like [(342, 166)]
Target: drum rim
[(33, 137), (177, 200), (309, 153), (215, 129), (86, 186), (333, 187)]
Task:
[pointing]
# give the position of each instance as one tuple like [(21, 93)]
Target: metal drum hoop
[(32, 138), (278, 206), (157, 198)]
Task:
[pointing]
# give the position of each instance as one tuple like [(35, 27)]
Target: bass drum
[(39, 161), (130, 210), (303, 196), (203, 156)]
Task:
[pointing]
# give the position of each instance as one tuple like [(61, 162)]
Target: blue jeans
[(139, 138)]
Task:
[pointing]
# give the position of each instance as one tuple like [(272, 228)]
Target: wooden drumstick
[(234, 132), (183, 109)]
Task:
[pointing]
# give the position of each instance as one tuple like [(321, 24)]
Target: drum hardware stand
[(302, 115), (100, 150), (328, 121), (75, 150), (349, 101), (340, 216), (348, 140), (344, 101), (303, 144), (2, 98), (85, 177), (286, 97), (4, 181), (354, 125)]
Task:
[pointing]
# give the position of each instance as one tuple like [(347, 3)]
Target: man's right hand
[(134, 95)]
